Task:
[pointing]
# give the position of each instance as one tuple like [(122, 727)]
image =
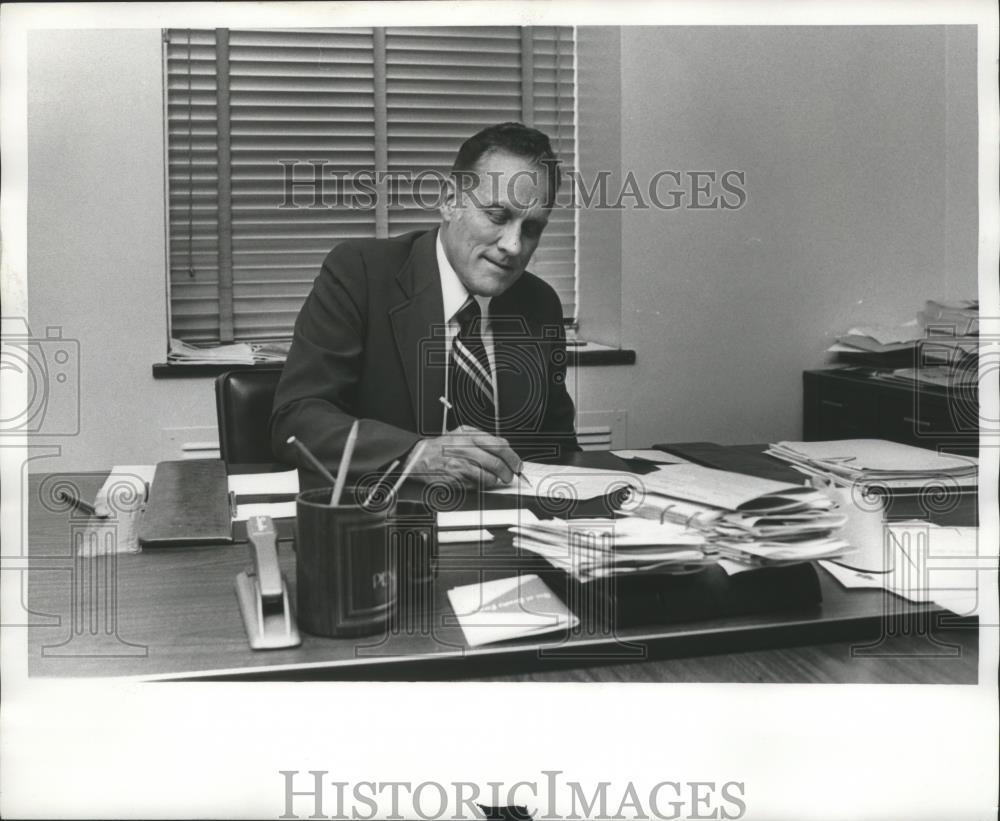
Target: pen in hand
[(519, 472)]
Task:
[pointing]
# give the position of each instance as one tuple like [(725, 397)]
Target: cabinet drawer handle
[(918, 422), (832, 404)]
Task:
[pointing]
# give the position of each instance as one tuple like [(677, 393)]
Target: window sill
[(587, 354)]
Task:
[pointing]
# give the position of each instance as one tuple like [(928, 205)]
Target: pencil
[(345, 464), (381, 479), (312, 460), (409, 465)]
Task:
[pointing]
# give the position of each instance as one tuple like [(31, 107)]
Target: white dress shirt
[(454, 296)]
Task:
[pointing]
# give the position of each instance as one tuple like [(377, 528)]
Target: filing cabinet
[(851, 403)]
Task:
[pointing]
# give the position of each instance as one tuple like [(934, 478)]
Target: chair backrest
[(243, 401)]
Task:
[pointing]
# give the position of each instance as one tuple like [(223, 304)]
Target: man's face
[(491, 224)]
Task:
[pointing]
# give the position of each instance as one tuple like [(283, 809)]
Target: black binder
[(737, 459), (188, 504)]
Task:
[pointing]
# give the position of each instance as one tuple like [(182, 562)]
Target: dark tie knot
[(469, 316)]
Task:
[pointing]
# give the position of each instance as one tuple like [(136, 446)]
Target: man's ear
[(449, 199)]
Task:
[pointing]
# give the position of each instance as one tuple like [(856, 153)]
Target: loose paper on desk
[(283, 483), (510, 608), (123, 485), (484, 518), (651, 455), (118, 505), (276, 510), (461, 536), (280, 485), (928, 563), (566, 482)]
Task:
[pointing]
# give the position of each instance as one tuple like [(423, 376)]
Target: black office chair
[(243, 401)]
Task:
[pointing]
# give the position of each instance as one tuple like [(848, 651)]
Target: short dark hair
[(514, 138)]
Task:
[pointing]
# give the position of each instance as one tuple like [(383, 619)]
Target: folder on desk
[(739, 460), (188, 504)]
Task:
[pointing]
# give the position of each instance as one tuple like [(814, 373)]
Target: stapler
[(263, 593)]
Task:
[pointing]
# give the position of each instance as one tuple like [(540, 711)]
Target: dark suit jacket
[(369, 344)]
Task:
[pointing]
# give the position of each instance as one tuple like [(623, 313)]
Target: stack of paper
[(275, 351), (597, 548), (877, 462), (880, 338), (743, 517), (236, 353), (773, 552), (956, 351), (700, 496), (183, 353), (944, 332), (955, 318), (780, 526), (948, 377)]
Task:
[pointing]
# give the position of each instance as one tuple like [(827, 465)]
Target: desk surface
[(172, 613)]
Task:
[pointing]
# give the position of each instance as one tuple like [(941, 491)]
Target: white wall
[(859, 147), (96, 240)]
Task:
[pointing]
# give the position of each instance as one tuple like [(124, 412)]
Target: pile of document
[(947, 377), (589, 549), (744, 518), (274, 351), (944, 332), (879, 339), (236, 353), (183, 353), (957, 318), (878, 463)]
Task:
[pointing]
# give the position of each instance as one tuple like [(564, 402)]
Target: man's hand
[(471, 456)]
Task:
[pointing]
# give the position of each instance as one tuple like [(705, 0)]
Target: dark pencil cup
[(413, 545), (346, 573)]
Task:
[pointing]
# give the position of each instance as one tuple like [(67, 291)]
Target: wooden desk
[(172, 613)]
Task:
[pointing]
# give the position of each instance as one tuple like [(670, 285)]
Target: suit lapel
[(418, 328)]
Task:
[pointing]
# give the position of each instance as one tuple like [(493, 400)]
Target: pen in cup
[(379, 481), (410, 464), (345, 463), (316, 464)]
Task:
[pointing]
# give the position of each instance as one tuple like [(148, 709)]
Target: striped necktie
[(470, 386)]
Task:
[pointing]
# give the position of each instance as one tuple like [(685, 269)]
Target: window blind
[(249, 110)]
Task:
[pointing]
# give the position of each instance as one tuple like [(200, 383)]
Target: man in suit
[(440, 335)]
